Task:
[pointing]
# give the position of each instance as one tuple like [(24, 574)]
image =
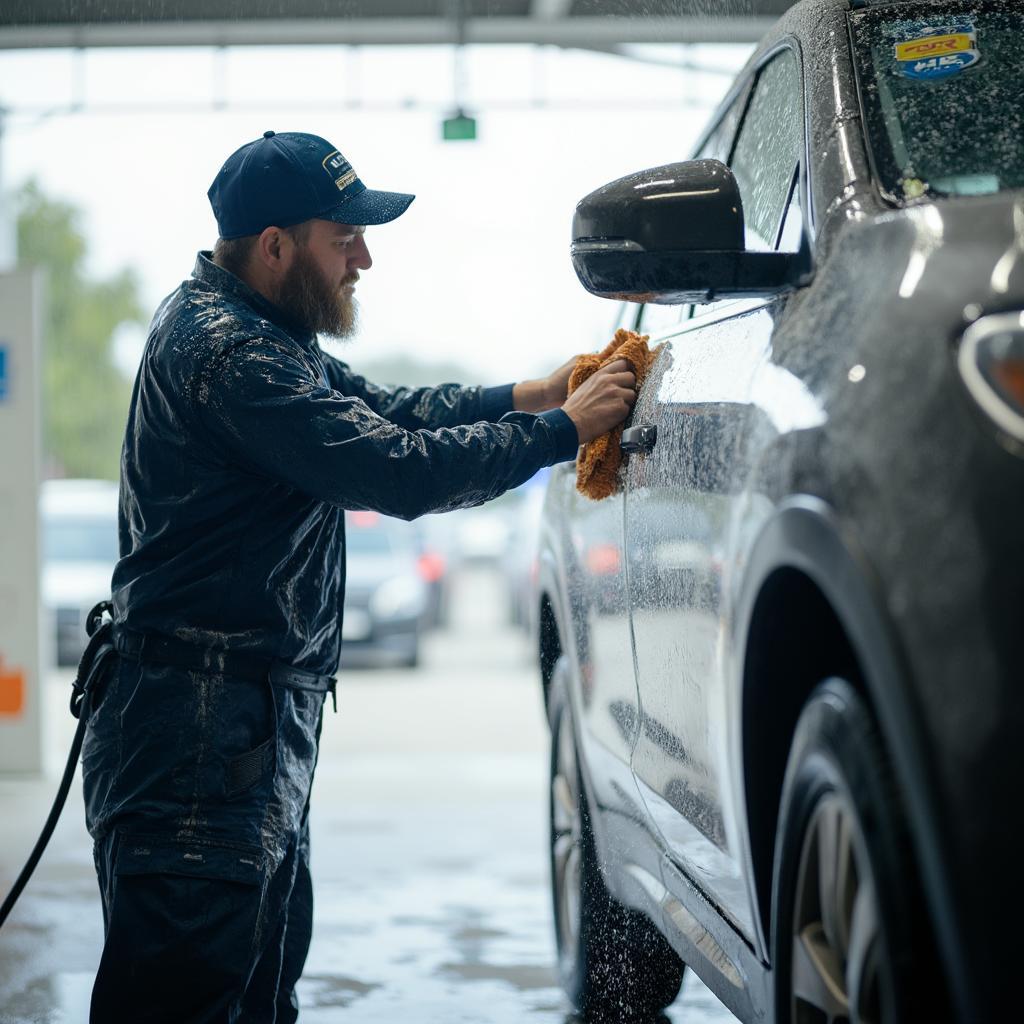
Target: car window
[(368, 533), (942, 97), (791, 233), (628, 316), (768, 149), (80, 540), (655, 317), (368, 542), (717, 146), (719, 142)]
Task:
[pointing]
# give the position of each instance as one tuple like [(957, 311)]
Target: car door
[(680, 503), (596, 596)]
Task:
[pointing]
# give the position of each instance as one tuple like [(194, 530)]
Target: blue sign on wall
[(3, 372)]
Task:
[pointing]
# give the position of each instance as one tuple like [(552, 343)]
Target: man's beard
[(313, 302)]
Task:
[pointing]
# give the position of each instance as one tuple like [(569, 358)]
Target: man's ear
[(270, 249)]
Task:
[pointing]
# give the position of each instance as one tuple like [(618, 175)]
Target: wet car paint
[(844, 393), (581, 548), (680, 502)]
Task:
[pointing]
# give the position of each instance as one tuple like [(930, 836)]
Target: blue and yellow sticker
[(934, 53)]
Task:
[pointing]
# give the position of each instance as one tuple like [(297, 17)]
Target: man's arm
[(448, 405), (544, 393), (445, 405), (265, 411)]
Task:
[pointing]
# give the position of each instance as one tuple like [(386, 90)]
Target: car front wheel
[(613, 963), (846, 900)]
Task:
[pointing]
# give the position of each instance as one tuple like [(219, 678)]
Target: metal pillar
[(8, 225), (21, 661)]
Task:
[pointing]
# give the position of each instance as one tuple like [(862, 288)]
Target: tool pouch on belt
[(244, 664)]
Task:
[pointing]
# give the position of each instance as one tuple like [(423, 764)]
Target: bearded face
[(310, 298)]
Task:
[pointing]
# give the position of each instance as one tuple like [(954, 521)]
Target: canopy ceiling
[(600, 24)]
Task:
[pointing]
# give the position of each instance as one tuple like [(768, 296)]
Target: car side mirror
[(673, 234)]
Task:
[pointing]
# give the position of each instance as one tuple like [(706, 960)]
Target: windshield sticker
[(934, 53)]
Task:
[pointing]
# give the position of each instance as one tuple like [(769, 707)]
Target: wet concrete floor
[(429, 851)]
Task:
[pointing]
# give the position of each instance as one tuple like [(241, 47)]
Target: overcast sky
[(476, 271)]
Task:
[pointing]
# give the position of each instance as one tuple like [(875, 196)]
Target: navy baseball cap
[(289, 177)]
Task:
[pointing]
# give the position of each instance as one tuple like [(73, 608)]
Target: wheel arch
[(794, 640), (811, 607), (553, 629), (549, 645)]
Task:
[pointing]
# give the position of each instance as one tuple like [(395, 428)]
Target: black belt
[(243, 664)]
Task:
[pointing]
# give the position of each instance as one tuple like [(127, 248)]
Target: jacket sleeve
[(265, 410), (446, 405)]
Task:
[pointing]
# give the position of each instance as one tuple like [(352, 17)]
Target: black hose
[(51, 823), (97, 651)]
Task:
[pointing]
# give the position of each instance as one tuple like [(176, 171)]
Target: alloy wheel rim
[(566, 832), (838, 970)]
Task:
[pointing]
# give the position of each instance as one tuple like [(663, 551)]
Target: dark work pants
[(196, 788)]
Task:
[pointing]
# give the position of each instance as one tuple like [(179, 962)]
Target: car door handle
[(639, 439)]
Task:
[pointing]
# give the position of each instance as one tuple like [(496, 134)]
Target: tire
[(613, 963), (411, 659), (849, 939)]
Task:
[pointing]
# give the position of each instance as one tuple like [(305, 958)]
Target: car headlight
[(991, 362), (399, 597)]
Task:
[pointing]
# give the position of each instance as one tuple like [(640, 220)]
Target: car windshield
[(372, 538), (943, 96), (81, 540)]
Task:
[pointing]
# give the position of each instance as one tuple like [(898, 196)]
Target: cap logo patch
[(339, 169)]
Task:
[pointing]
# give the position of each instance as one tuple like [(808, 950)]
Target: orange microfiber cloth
[(597, 468)]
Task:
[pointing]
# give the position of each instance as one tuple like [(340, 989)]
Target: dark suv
[(783, 665)]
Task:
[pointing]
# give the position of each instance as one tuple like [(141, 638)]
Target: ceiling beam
[(587, 32), (549, 10)]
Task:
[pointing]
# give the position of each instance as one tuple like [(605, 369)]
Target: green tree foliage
[(85, 396)]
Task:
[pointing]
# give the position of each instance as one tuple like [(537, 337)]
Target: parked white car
[(79, 531)]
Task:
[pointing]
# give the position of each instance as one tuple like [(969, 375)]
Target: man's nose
[(361, 258)]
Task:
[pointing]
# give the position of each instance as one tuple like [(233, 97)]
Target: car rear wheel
[(613, 963), (845, 893)]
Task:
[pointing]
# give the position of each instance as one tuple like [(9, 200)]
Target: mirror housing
[(673, 234)]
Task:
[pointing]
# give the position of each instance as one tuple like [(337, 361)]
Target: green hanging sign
[(459, 128)]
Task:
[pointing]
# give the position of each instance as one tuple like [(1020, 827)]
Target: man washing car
[(244, 443)]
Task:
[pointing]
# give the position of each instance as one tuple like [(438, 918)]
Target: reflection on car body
[(519, 563), (781, 665)]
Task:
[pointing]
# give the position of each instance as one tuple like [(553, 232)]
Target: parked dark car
[(782, 666), (385, 594)]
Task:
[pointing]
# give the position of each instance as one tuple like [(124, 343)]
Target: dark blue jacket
[(245, 441)]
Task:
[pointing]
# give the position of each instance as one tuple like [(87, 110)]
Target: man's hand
[(547, 393), (602, 401)]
